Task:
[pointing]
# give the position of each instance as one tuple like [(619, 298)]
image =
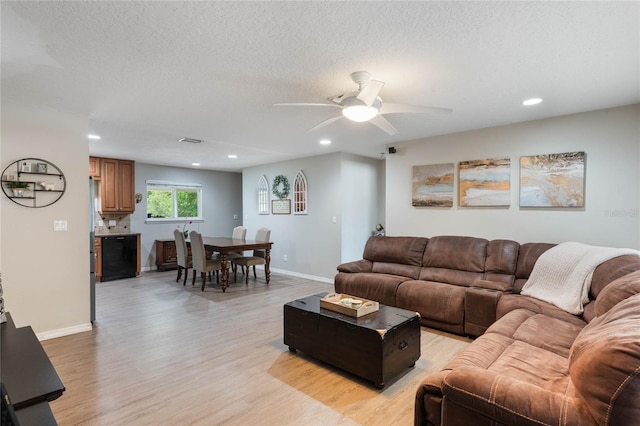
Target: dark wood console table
[(28, 375)]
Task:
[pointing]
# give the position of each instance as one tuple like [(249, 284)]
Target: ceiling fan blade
[(307, 104), (383, 124), (370, 92), (391, 108), (325, 123)]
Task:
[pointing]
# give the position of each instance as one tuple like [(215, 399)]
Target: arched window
[(300, 193), (263, 195)]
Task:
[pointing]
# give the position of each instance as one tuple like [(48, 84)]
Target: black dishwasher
[(119, 257)]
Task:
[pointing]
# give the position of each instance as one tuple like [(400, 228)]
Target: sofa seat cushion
[(540, 331), (604, 364), (512, 302), (373, 286), (442, 303)]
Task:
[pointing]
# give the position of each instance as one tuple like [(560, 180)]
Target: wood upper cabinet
[(117, 179), (94, 167)]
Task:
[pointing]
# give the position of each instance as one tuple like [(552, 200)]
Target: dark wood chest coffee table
[(377, 347)]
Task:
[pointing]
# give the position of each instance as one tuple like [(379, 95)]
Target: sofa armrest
[(493, 285), (480, 306), (361, 265), (428, 404), (506, 400)]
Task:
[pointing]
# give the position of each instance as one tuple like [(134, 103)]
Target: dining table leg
[(267, 261), (225, 272)]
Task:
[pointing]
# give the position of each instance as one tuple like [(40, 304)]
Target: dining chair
[(239, 233), (258, 258), (200, 262), (182, 254)]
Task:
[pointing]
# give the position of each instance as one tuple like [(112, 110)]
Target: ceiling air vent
[(190, 140)]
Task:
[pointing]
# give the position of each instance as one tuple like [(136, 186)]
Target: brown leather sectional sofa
[(533, 363)]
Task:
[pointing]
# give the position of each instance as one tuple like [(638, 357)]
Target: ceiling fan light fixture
[(359, 113)]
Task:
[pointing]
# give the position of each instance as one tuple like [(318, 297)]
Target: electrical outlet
[(284, 257), (59, 225), (101, 223)]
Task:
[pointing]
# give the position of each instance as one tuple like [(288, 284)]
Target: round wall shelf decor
[(33, 182)]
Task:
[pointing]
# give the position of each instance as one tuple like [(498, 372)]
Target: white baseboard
[(299, 275), (52, 334)]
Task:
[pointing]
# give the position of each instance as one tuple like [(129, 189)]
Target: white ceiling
[(148, 73)]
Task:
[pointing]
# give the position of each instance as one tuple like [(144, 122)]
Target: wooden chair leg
[(235, 272), (204, 279), (217, 277), (193, 280), (179, 273), (246, 277), (186, 274), (255, 277)]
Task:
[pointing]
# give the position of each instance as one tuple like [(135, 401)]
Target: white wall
[(45, 274), (312, 242), (361, 194), (221, 200), (611, 216)]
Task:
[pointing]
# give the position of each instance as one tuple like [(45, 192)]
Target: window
[(263, 195), (173, 201), (300, 194)]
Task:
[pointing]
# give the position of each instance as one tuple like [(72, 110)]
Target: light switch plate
[(59, 225), (112, 223)]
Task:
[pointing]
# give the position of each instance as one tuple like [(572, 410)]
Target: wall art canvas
[(552, 180), (484, 183), (433, 185)]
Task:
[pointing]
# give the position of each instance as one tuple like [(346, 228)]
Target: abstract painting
[(484, 183), (552, 180), (433, 185)]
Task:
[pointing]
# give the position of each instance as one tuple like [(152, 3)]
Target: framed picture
[(42, 167), (433, 185), (484, 183), (552, 180), (25, 167), (281, 206)]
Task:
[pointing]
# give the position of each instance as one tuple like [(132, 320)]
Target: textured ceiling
[(148, 73)]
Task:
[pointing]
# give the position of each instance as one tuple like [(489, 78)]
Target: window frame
[(175, 187), (300, 194), (263, 195)]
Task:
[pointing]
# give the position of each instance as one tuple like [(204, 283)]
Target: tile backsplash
[(114, 223)]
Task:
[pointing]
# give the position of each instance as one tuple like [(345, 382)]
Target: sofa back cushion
[(500, 264), (454, 252), (395, 255), (454, 260), (403, 250), (617, 291), (528, 254), (611, 270), (604, 364)]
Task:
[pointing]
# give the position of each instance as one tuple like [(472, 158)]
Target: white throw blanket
[(562, 274)]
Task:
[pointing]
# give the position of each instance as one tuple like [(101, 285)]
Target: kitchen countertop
[(117, 235)]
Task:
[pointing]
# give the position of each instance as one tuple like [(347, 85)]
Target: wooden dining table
[(226, 245)]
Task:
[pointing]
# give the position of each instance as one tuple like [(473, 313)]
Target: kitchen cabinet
[(97, 242), (94, 167), (166, 254), (117, 194)]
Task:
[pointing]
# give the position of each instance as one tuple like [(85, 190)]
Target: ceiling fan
[(365, 104)]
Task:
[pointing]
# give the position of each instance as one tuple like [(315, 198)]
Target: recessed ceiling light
[(325, 142), (232, 156), (532, 101), (190, 140), (195, 164), (93, 136)]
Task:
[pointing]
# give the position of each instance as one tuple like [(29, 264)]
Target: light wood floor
[(164, 354)]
